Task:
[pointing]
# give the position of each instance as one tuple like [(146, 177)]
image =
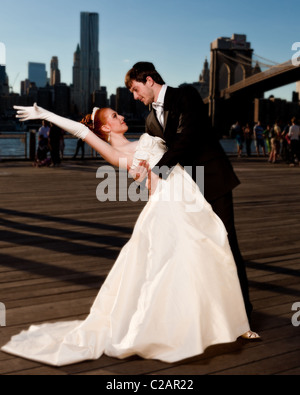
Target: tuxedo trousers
[(223, 207)]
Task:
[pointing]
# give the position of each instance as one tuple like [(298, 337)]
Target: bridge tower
[(231, 62)]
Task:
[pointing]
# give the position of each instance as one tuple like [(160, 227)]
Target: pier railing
[(23, 145), (15, 144)]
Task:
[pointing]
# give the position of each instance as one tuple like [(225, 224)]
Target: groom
[(180, 117)]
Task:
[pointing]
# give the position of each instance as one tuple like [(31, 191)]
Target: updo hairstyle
[(96, 125)]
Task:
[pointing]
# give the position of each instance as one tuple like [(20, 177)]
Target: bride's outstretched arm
[(109, 153)]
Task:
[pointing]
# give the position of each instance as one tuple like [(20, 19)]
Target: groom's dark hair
[(140, 71)]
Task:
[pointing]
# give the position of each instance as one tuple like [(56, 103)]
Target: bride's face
[(114, 122)]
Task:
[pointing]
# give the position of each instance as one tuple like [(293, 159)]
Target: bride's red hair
[(96, 125)]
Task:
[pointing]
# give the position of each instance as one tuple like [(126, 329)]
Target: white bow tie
[(158, 106)]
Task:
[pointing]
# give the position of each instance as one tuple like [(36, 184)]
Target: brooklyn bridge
[(237, 82)]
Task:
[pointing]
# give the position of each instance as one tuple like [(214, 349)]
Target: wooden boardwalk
[(58, 242)]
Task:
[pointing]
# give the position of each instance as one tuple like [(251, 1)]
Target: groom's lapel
[(167, 105), (154, 125), (166, 114)]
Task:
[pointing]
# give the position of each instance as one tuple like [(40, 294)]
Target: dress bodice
[(149, 148)]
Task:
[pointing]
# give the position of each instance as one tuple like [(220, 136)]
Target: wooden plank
[(39, 371), (49, 311), (56, 251), (233, 358), (268, 366)]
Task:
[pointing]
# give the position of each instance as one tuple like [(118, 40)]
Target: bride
[(174, 289)]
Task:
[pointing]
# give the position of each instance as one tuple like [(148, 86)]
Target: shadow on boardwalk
[(58, 243)]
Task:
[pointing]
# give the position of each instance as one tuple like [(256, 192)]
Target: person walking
[(44, 130), (80, 147), (248, 137), (294, 135), (258, 131), (238, 135), (54, 144), (267, 134), (275, 143)]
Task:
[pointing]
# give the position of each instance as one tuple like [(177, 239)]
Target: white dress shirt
[(159, 105)]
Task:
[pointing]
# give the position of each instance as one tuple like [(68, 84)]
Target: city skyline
[(176, 39)]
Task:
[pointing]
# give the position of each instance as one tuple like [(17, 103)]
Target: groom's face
[(142, 92)]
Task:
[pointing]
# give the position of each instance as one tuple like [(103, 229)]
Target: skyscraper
[(54, 71), (75, 88), (37, 73), (76, 69), (89, 59), (4, 89)]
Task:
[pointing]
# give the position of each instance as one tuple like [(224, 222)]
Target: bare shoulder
[(129, 148), (132, 145)]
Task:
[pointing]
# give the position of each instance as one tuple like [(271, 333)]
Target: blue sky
[(174, 34)]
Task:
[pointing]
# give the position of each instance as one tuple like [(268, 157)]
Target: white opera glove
[(75, 128)]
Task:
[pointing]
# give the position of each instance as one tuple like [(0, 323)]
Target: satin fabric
[(172, 292)]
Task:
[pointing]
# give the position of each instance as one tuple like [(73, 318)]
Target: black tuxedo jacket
[(191, 142)]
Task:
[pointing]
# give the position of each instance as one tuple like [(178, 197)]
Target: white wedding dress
[(172, 292)]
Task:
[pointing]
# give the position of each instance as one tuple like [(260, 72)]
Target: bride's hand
[(140, 172), (152, 182), (28, 113), (77, 129)]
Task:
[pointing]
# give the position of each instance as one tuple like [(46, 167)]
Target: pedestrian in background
[(44, 130), (54, 144), (80, 146), (237, 133), (248, 137), (286, 144), (258, 131), (267, 136), (275, 143), (294, 135), (62, 144)]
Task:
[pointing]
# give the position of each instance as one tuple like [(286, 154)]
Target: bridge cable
[(249, 62), (268, 60)]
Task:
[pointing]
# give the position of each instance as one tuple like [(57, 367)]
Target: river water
[(14, 148)]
